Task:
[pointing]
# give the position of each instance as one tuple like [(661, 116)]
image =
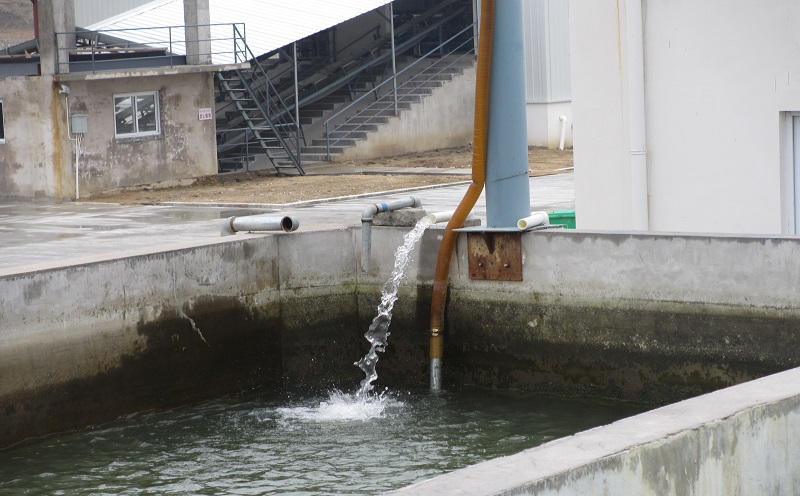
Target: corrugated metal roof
[(269, 24)]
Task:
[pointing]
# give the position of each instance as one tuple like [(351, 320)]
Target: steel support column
[(507, 185)]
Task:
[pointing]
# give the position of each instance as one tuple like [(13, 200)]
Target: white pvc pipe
[(233, 225), (636, 116), (77, 167), (563, 119), (437, 217), (533, 220)]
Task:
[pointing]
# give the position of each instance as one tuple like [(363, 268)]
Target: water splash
[(364, 405), (378, 333), (341, 407)]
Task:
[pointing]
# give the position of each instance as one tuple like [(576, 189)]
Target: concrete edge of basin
[(121, 254), (557, 466)]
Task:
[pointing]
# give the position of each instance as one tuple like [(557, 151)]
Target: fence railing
[(458, 43), (89, 51)]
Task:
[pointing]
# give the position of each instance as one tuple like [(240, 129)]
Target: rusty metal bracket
[(495, 256)]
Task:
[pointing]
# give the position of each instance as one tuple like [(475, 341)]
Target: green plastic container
[(566, 217)]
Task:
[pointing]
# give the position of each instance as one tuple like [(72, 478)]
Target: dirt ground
[(266, 187)]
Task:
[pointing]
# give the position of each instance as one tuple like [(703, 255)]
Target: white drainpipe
[(636, 114), (563, 119)]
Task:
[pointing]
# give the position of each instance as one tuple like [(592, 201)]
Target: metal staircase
[(253, 119)]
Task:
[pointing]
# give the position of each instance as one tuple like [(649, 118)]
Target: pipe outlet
[(366, 223), (533, 220), (233, 225), (437, 217), (370, 211)]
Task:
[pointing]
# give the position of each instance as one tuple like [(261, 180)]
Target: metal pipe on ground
[(286, 223), (366, 224)]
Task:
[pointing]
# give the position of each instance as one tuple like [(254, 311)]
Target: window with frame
[(2, 127), (136, 114)]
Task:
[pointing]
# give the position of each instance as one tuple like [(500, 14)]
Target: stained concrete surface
[(51, 234)]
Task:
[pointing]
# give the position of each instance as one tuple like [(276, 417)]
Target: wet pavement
[(34, 236)]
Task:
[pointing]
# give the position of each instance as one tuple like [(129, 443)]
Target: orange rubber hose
[(480, 140)]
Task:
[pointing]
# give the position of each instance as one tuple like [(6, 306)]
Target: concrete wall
[(35, 160), (642, 317), (650, 318), (185, 148), (714, 104), (741, 440), (39, 158), (84, 343), (441, 120)]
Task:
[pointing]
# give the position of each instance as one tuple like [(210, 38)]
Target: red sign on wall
[(205, 114)]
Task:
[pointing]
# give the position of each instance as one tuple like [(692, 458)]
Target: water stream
[(378, 333)]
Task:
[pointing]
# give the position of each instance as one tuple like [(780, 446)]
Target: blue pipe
[(507, 185)]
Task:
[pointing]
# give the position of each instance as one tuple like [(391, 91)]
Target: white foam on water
[(342, 407)]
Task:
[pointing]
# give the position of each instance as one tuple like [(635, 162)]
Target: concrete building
[(685, 115), (68, 131)]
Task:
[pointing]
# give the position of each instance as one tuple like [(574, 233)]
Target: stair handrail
[(384, 83), (417, 20), (376, 61), (284, 114), (329, 88), (381, 41), (325, 61)]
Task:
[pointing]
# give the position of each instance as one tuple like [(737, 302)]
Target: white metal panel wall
[(88, 12), (534, 16), (558, 50), (547, 71)]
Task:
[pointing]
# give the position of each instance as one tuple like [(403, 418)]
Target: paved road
[(37, 235)]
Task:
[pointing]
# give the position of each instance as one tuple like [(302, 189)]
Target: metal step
[(342, 134), (320, 150), (341, 142)]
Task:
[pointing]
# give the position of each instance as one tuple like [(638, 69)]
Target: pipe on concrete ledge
[(366, 224), (437, 217), (533, 220), (259, 223)]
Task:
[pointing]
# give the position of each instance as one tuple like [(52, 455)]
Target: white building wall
[(547, 70), (718, 75), (600, 112)]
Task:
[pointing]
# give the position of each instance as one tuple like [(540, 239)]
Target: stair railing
[(412, 83), (276, 113)]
